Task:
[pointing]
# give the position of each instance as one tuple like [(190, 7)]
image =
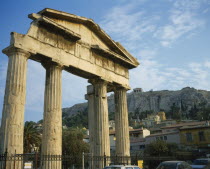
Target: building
[(176, 127), (196, 137), (151, 121), (136, 136), (168, 137), (137, 90), (162, 115), (112, 125)]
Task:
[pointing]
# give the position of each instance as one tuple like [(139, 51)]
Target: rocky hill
[(185, 101)]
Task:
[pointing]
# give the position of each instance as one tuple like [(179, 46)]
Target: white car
[(122, 167)]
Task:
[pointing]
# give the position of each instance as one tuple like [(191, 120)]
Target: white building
[(168, 137)]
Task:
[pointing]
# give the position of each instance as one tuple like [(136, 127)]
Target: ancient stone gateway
[(62, 41)]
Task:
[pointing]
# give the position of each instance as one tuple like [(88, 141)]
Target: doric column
[(101, 121), (91, 117), (12, 125), (121, 123), (90, 96), (52, 124)]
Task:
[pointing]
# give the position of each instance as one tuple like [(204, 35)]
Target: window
[(189, 137), (165, 138), (201, 136)]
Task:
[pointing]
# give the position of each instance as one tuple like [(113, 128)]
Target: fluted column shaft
[(52, 125), (121, 123), (90, 96), (12, 126), (101, 121), (91, 117)]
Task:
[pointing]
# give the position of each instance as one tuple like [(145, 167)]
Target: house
[(151, 121), (176, 127), (136, 136), (168, 137), (196, 137)]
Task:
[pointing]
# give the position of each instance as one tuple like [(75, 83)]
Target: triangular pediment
[(87, 31)]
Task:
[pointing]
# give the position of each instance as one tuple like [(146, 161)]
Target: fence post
[(5, 159), (104, 159), (83, 160), (36, 160), (136, 159), (14, 158)]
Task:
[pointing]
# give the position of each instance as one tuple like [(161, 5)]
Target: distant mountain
[(186, 102)]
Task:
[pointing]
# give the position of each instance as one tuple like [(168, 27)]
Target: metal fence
[(38, 161)]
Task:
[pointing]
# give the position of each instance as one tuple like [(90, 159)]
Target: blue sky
[(170, 38)]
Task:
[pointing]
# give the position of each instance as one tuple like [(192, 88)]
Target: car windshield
[(200, 162), (167, 166)]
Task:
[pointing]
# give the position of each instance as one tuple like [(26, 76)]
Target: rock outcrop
[(155, 101)]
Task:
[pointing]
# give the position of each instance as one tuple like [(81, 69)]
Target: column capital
[(97, 81), (12, 50), (47, 64), (118, 87)]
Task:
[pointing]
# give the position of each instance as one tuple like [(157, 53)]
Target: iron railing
[(38, 161)]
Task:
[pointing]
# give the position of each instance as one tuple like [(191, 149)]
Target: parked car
[(174, 165), (122, 167), (200, 163)]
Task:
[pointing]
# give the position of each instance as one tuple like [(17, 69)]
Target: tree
[(32, 136), (193, 112), (204, 114), (175, 112), (160, 148), (74, 145), (144, 114), (78, 120)]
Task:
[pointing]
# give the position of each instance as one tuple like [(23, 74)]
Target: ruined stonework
[(65, 42), (154, 101)]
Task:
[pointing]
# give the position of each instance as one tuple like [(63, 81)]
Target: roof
[(130, 61), (165, 133), (130, 131), (179, 125), (194, 127)]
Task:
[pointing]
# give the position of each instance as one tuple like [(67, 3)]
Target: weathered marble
[(82, 48), (91, 117), (90, 96), (52, 125), (121, 123), (101, 121), (12, 125)]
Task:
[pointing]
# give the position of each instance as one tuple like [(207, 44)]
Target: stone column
[(52, 124), (101, 122), (91, 121), (12, 125), (121, 124)]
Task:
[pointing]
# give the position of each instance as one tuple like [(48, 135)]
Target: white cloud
[(139, 32), (129, 25), (183, 21), (207, 64)]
